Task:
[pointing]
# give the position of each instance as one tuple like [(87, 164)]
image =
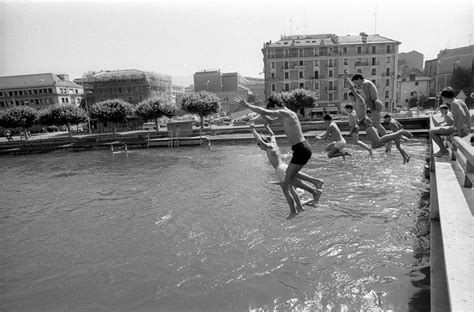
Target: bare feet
[(317, 193)]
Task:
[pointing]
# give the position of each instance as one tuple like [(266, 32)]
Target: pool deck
[(452, 228)]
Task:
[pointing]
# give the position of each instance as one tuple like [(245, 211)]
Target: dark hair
[(368, 111), (448, 93), (386, 116), (327, 117), (357, 77), (349, 106)]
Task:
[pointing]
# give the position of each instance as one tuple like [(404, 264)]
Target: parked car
[(149, 126)]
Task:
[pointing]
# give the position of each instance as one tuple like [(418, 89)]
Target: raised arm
[(259, 138), (260, 110)]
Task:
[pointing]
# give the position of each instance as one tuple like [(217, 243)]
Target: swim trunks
[(365, 123), (340, 144), (301, 153)]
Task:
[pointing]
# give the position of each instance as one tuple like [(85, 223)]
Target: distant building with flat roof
[(39, 90), (130, 85)]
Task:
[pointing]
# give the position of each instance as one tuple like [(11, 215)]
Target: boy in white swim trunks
[(270, 146), (336, 148)]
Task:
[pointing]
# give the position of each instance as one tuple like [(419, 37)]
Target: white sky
[(181, 37)]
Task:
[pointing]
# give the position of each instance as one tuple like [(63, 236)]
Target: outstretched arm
[(258, 137), (262, 111)]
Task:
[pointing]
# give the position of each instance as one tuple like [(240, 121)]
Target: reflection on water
[(192, 229)]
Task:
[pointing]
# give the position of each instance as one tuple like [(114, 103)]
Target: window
[(273, 87), (388, 48), (273, 75), (287, 75), (316, 74), (316, 85), (331, 96), (359, 71), (346, 62), (388, 60), (301, 85), (316, 63), (330, 72), (387, 93), (272, 65), (374, 72), (416, 83), (285, 65), (359, 50), (120, 90), (374, 61), (387, 82), (331, 85), (287, 87), (374, 49), (387, 71), (301, 63), (344, 50), (344, 96), (301, 75)]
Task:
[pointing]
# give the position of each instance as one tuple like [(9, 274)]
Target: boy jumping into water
[(272, 150), (366, 124), (334, 149), (354, 128), (291, 124), (395, 126)]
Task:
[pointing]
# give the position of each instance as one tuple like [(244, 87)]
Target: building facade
[(320, 62), (412, 59), (412, 85), (130, 85), (441, 69), (226, 86), (39, 91)]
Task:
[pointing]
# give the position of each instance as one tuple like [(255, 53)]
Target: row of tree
[(117, 111)]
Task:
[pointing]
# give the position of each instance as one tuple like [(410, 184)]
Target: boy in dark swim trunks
[(299, 144)]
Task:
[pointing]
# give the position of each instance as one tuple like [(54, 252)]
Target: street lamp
[(87, 110), (207, 86)]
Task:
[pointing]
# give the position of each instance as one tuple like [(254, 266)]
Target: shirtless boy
[(366, 123), (270, 146), (291, 124), (354, 128), (334, 149)]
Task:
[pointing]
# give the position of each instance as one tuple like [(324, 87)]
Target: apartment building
[(320, 62), (39, 90), (412, 84), (130, 85), (441, 69), (226, 86)]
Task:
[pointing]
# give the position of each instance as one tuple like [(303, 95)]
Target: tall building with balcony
[(130, 85), (320, 62), (39, 90)]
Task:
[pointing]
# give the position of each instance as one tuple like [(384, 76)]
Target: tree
[(202, 104), (111, 110), (461, 79), (154, 108), (63, 114), (300, 98), (19, 117)]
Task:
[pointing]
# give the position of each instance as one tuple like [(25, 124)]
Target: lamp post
[(87, 110), (207, 86)]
